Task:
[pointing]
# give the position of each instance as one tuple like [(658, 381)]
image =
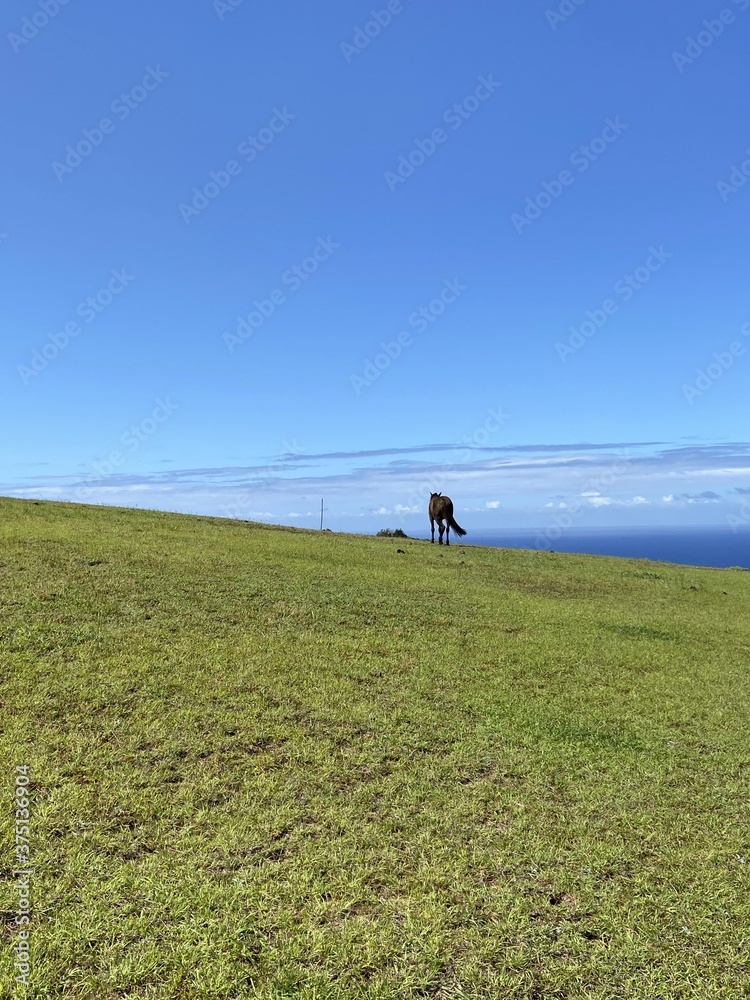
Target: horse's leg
[(447, 531), (432, 528), (441, 528)]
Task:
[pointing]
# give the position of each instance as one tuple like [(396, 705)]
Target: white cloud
[(35, 490), (740, 470), (492, 504)]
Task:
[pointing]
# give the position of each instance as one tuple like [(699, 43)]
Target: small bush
[(389, 533)]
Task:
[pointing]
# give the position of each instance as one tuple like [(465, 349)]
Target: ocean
[(711, 546)]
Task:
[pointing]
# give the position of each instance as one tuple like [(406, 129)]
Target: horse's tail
[(456, 526)]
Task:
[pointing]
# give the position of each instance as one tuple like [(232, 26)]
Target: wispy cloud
[(708, 496), (504, 449)]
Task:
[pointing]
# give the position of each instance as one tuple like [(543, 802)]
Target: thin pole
[(321, 515)]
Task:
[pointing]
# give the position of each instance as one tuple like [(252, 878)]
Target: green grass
[(273, 763)]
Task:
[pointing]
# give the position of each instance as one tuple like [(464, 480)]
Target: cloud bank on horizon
[(504, 486)]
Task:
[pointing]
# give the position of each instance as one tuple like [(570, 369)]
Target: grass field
[(272, 763)]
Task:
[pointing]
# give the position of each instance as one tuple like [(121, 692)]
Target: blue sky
[(259, 254)]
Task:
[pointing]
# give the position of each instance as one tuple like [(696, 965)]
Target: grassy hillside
[(269, 763)]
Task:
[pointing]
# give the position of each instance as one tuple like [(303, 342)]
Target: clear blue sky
[(469, 188)]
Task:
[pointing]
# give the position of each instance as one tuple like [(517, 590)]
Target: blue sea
[(712, 546)]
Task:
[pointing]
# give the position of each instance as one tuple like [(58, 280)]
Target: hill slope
[(270, 763)]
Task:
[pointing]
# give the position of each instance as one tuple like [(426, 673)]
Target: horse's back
[(441, 507)]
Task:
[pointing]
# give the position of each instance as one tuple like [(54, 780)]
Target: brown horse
[(441, 509)]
